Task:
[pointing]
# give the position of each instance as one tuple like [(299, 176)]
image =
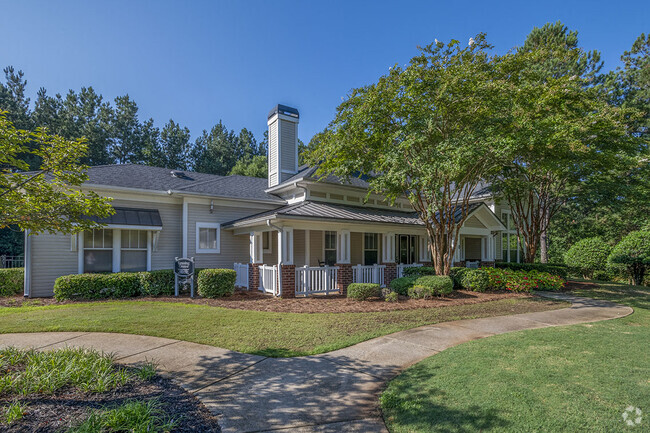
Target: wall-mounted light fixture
[(211, 206)]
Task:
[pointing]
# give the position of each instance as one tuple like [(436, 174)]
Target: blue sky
[(201, 61)]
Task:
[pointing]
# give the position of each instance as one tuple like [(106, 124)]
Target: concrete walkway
[(332, 392)]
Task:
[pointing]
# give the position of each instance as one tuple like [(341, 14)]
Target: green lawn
[(264, 333), (577, 378)]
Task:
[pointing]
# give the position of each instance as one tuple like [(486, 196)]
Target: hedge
[(632, 253), (402, 285), (157, 283), (456, 274), (587, 256), (431, 285), (553, 269), (363, 291), (98, 286), (477, 280), (418, 271), (11, 281), (215, 283)]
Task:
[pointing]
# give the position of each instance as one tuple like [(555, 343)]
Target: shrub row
[(418, 271), (553, 269), (11, 281), (216, 282), (422, 287), (363, 291), (484, 279)]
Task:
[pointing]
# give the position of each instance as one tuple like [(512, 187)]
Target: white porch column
[(117, 249), (343, 246), (256, 247), (285, 242), (483, 249), (149, 249), (80, 254), (28, 264), (307, 248), (388, 247)]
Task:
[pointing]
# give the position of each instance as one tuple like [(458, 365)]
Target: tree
[(633, 254), (49, 199), (428, 131), (587, 256), (214, 151), (253, 167), (564, 132), (126, 131)]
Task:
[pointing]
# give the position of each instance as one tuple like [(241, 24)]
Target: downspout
[(278, 229), (27, 283)]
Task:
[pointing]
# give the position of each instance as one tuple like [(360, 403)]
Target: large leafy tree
[(564, 132), (253, 167), (49, 199), (427, 130)]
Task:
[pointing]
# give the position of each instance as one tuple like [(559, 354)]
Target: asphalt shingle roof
[(160, 179)]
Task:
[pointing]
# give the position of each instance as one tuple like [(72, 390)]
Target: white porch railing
[(269, 279), (12, 261), (311, 280), (242, 275), (369, 274), (401, 267)]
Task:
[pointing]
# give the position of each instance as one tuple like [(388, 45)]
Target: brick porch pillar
[(288, 278), (459, 264), (343, 277), (253, 276), (486, 264), (390, 272)]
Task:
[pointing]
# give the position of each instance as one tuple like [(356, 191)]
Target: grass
[(14, 412), (134, 416), (262, 333), (578, 378), (24, 372)]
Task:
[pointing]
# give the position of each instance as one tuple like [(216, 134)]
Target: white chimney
[(283, 144)]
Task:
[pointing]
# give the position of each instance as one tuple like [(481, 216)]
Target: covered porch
[(300, 255)]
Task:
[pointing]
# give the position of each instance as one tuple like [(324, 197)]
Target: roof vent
[(179, 174)]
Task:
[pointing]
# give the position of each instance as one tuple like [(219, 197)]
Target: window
[(509, 241), (405, 249), (208, 237), (134, 251), (98, 251), (330, 248), (370, 248), (266, 242)]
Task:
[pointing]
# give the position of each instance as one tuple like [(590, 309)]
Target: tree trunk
[(543, 245)]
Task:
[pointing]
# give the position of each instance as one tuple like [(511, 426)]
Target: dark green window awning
[(125, 217)]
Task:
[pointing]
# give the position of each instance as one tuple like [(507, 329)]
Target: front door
[(406, 249)]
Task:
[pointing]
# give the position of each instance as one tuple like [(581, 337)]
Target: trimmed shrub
[(391, 297), (456, 274), (429, 286), (418, 271), (98, 286), (363, 291), (215, 283), (476, 280), (603, 276), (553, 269), (157, 283), (632, 253), (544, 281), (11, 281), (587, 256), (402, 285)]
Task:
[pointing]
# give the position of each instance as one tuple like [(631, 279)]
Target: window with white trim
[(330, 248), (98, 251), (510, 248), (208, 237), (133, 254), (370, 249)]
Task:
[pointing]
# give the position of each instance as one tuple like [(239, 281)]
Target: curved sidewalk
[(332, 392)]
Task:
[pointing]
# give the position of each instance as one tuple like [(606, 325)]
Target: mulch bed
[(68, 407)]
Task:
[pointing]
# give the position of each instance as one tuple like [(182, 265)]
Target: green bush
[(632, 253), (157, 283), (418, 271), (587, 256), (553, 269), (477, 280), (363, 291), (98, 286), (215, 283), (402, 285), (429, 286), (456, 273), (11, 281), (603, 276), (391, 297)]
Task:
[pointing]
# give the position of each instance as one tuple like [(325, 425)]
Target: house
[(290, 234)]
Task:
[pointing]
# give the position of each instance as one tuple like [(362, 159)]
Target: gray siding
[(473, 222), (50, 258), (299, 247), (233, 248), (316, 245)]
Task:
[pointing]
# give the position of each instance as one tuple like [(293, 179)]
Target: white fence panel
[(269, 280), (242, 275), (12, 261), (401, 267), (312, 280), (369, 274)]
